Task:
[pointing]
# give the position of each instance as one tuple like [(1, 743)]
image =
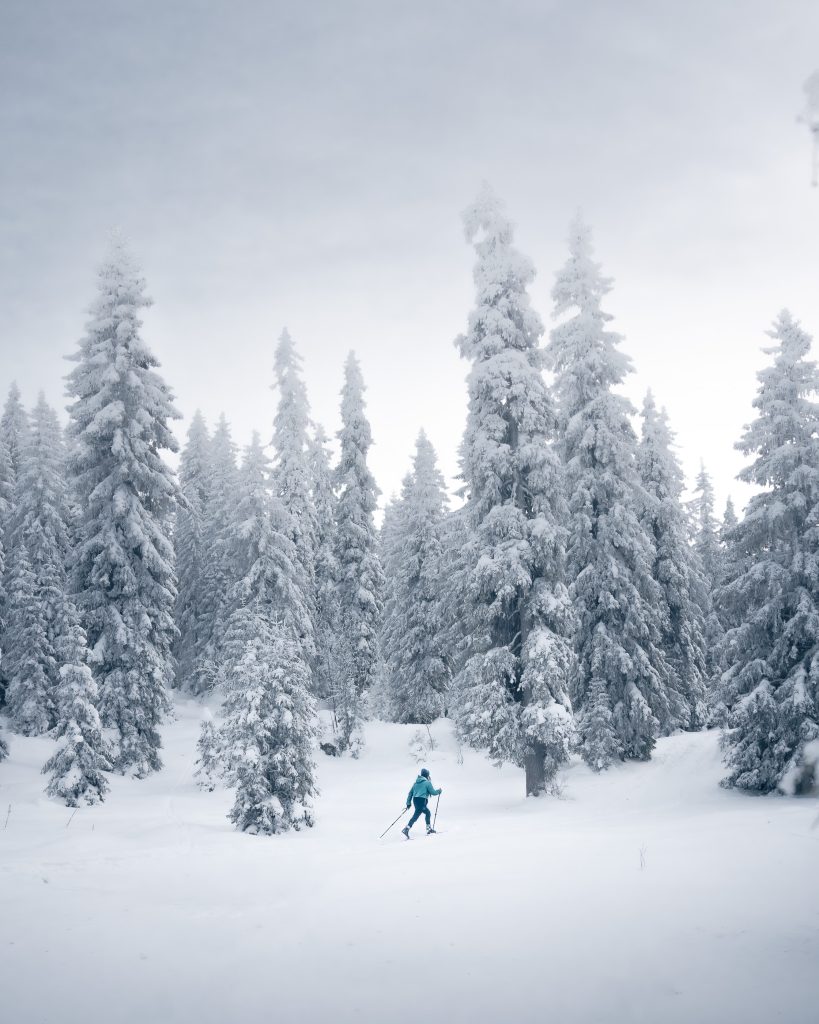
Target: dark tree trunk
[(534, 763)]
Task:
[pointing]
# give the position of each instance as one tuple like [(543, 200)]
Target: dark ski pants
[(420, 803)]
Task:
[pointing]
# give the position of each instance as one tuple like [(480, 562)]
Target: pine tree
[(729, 520), (391, 538), (620, 687), (413, 641), (218, 574), (707, 546), (291, 478), (191, 612), (125, 580), (513, 689), (455, 603), (675, 569), (360, 577), (6, 484), (772, 679), (14, 430), (705, 527), (31, 663), (40, 524), (82, 756), (6, 497), (325, 566), (263, 557), (269, 728), (209, 749), (729, 618)]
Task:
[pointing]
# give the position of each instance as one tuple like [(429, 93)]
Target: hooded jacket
[(421, 789)]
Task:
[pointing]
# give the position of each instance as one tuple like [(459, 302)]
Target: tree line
[(571, 602)]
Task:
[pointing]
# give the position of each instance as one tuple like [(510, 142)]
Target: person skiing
[(420, 792)]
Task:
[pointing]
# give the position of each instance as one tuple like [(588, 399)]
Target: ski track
[(646, 894)]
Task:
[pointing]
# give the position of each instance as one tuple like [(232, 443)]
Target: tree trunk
[(534, 764)]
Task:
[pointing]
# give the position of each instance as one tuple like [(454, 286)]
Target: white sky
[(306, 164)]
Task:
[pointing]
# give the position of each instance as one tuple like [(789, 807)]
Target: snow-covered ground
[(646, 894)]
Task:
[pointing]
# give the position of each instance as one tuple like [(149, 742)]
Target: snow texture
[(647, 894)]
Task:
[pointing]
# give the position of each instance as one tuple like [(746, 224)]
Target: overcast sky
[(305, 164)]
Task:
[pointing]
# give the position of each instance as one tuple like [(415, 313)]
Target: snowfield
[(647, 894)]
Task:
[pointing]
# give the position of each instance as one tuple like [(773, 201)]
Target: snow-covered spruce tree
[(14, 429), (414, 648), (191, 611), (676, 569), (620, 686), (360, 580), (76, 769), (269, 728), (705, 527), (3, 749), (6, 497), (773, 674), (729, 521), (732, 566), (209, 750), (6, 484), (31, 663), (125, 580), (513, 689), (263, 557), (219, 574), (454, 534), (391, 537), (325, 567), (40, 524), (705, 530), (291, 478)]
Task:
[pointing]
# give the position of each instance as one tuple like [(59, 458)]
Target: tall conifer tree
[(676, 569), (620, 687), (513, 688), (291, 479), (219, 573), (414, 644), (192, 605), (14, 429), (772, 680), (125, 580), (360, 576), (325, 565)]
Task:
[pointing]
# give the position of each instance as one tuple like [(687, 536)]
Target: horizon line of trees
[(574, 602)]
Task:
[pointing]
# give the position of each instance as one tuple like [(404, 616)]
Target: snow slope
[(647, 894)]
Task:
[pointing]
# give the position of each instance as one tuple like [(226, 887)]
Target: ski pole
[(400, 816), (436, 812)]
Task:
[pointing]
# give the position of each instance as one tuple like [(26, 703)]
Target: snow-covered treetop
[(581, 350), (119, 400), (41, 495), (429, 489), (193, 466), (502, 318), (659, 470), (356, 439), (784, 436), (14, 427)]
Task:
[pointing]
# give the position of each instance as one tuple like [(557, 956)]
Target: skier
[(420, 792)]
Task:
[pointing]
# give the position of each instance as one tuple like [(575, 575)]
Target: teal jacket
[(421, 788)]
